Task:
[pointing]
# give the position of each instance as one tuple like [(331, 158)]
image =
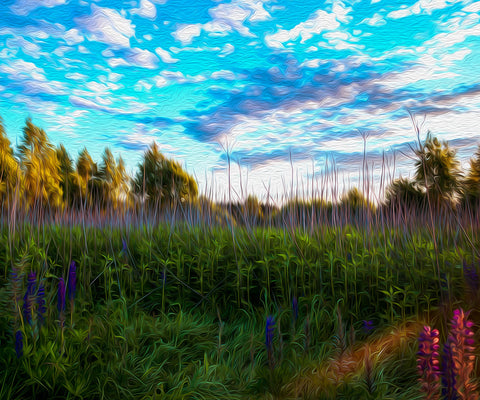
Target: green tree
[(87, 179), (437, 172), (41, 168), (10, 174), (471, 184), (403, 192), (115, 181), (67, 175), (163, 181)]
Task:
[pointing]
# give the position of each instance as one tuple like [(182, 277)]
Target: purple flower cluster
[(428, 362), (367, 326), (41, 308), (269, 328), (19, 343), (458, 361), (471, 277), (295, 308), (28, 298), (72, 280), (461, 345), (61, 296)]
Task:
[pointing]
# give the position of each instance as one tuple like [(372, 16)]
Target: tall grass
[(216, 301)]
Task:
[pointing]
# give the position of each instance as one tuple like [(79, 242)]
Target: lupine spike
[(269, 328), (61, 296), (367, 326), (449, 388), (19, 343), (27, 300), (41, 310), (471, 277), (428, 362), (295, 308), (72, 280), (462, 353)]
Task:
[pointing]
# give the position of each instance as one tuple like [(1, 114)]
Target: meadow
[(311, 300)]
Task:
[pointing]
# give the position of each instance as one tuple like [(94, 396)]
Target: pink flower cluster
[(457, 362)]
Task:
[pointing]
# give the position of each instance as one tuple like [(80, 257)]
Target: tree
[(10, 174), (85, 177), (437, 172), (471, 184), (163, 181), (41, 168), (114, 180), (66, 171), (404, 193)]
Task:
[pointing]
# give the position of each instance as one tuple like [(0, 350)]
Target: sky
[(293, 95)]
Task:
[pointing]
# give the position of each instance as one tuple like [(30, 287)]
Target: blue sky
[(277, 83)]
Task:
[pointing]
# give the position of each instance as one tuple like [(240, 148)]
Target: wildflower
[(27, 299), (269, 327), (124, 247), (449, 388), (19, 343), (61, 296), (461, 344), (41, 310), (428, 362), (295, 308), (72, 280), (367, 326), (471, 277)]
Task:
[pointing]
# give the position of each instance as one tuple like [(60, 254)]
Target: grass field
[(186, 310)]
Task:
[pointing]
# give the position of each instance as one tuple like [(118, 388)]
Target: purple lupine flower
[(367, 326), (428, 362), (72, 280), (124, 247), (61, 296), (295, 308), (19, 343), (471, 277), (269, 328), (27, 299), (449, 389), (41, 310), (463, 358)]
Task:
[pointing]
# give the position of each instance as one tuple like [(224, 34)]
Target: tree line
[(41, 175)]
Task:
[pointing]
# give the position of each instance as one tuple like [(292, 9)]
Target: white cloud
[(226, 50), (376, 20), (108, 26), (24, 7), (226, 17), (232, 15), (142, 58), (319, 22), (146, 10), (186, 33), (73, 36), (76, 76), (165, 56), (223, 74), (421, 6), (29, 48), (402, 13), (474, 7), (117, 62)]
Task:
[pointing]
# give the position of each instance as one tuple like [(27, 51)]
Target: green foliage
[(10, 177), (161, 319), (40, 167), (163, 181), (437, 171)]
